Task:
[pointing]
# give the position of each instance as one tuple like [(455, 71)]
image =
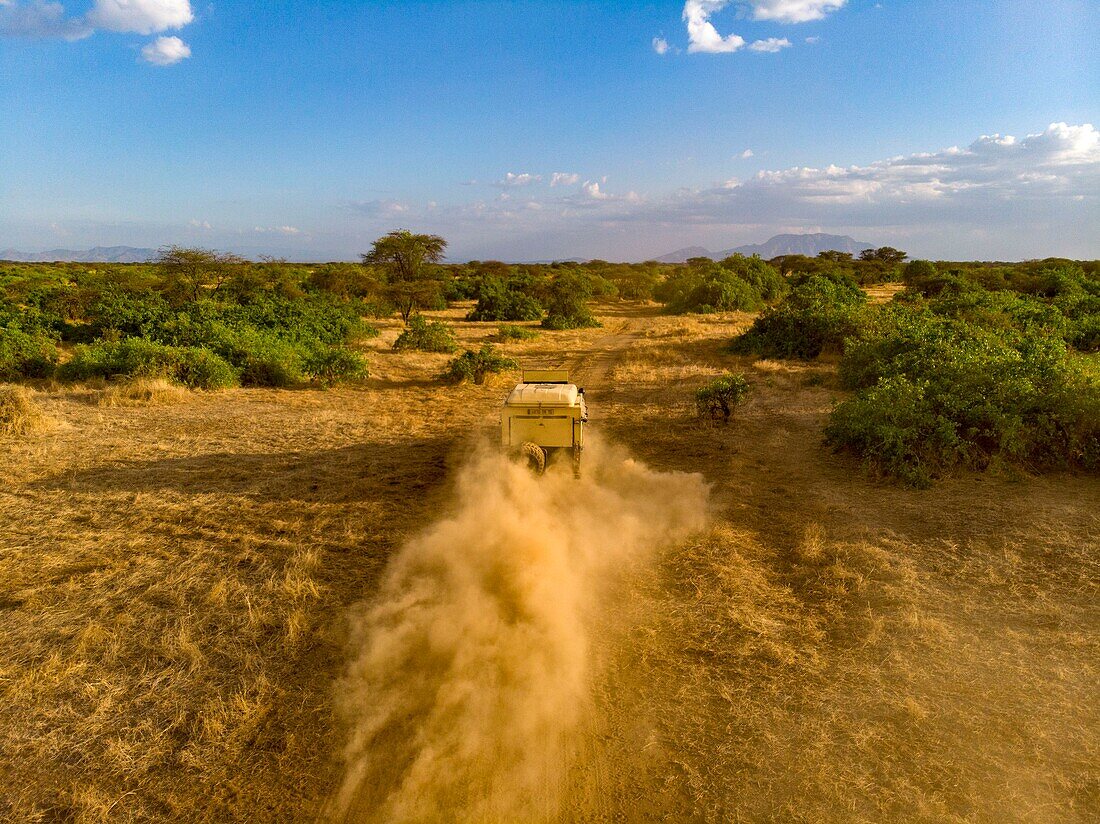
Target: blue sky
[(308, 129)]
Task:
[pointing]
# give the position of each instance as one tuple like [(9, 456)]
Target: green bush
[(25, 354), (567, 302), (508, 331), (330, 366), (426, 336), (475, 366), (736, 284), (122, 313), (717, 399), (936, 394), (1084, 334), (498, 301), (816, 316), (137, 358)]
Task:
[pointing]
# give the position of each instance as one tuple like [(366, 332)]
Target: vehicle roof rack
[(545, 376)]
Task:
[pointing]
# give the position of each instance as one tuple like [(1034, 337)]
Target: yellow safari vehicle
[(544, 414)]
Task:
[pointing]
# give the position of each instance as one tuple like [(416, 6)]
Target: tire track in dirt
[(592, 369)]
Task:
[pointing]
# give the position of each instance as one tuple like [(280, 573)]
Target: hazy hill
[(100, 254), (810, 245), (680, 255)]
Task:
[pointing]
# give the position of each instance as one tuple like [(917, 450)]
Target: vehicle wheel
[(535, 456)]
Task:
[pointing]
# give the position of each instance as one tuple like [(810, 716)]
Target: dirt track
[(177, 581)]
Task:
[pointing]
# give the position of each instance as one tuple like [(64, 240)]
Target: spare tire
[(535, 456)]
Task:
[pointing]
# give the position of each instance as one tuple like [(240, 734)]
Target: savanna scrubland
[(259, 562)]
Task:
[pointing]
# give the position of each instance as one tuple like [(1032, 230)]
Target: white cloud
[(591, 189), (279, 230), (812, 40), (564, 179), (524, 179), (165, 51), (999, 198), (703, 38), (660, 45), (745, 155), (199, 224), (1019, 193), (771, 45), (794, 11), (40, 18), (140, 16)]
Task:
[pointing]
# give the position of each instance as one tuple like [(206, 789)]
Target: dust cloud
[(471, 668)]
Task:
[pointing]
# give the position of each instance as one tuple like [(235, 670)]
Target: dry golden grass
[(884, 292), (143, 392), (175, 582), (19, 413)]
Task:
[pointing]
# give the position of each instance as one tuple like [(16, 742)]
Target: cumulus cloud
[(660, 45), (794, 11), (140, 16), (702, 36), (564, 179), (771, 45), (591, 189), (49, 20), (165, 51), (279, 230), (745, 155), (1000, 197), (1034, 195), (524, 179)]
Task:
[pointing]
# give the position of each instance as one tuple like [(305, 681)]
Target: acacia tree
[(885, 254), (188, 273), (408, 261)]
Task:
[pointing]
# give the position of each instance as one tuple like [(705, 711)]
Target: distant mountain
[(681, 255), (809, 245), (100, 254)]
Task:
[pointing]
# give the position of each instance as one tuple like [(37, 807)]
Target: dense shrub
[(475, 366), (497, 300), (937, 393), (329, 366), (816, 316), (841, 279), (735, 284), (121, 313), (25, 354), (717, 399), (138, 358), (426, 336), (509, 331), (567, 302)]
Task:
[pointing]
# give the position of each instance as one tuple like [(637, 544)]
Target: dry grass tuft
[(143, 392), (19, 414)]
